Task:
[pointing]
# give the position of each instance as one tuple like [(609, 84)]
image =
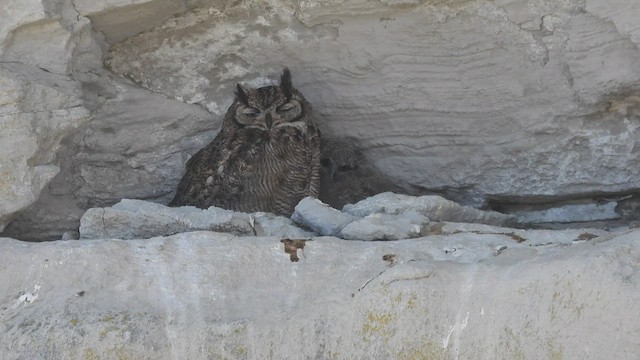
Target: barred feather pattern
[(249, 169)]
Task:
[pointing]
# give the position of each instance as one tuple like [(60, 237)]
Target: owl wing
[(314, 148), (200, 177)]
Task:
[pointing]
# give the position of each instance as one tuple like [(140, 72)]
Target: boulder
[(37, 110), (384, 217), (525, 107), (137, 219), (436, 208), (210, 295), (267, 224), (320, 217)]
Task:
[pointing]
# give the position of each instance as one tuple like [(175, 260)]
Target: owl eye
[(252, 112), (285, 107)]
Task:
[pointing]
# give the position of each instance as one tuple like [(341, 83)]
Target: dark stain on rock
[(433, 229), (390, 259), (587, 236), (291, 247), (515, 237)]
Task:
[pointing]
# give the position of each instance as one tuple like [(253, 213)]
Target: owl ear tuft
[(285, 83), (241, 95)]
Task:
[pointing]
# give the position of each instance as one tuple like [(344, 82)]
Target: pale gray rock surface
[(37, 109), (71, 135), (503, 103), (532, 237), (383, 217), (267, 224), (135, 147), (137, 219), (40, 103), (320, 217), (570, 213), (385, 227), (206, 295), (484, 102), (435, 208), (472, 99)]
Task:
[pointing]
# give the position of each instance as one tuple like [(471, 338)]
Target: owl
[(266, 156)]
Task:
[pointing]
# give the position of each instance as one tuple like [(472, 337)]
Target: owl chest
[(258, 153)]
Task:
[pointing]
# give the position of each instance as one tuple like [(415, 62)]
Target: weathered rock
[(388, 216), (207, 295), (503, 102), (119, 19), (435, 208), (570, 213), (51, 69), (16, 14), (320, 217), (487, 98), (266, 224), (385, 227), (516, 102), (403, 219), (385, 217), (37, 109), (40, 103), (136, 219)]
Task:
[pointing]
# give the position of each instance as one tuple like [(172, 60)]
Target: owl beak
[(269, 120)]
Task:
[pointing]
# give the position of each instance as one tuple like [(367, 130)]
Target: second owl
[(266, 156)]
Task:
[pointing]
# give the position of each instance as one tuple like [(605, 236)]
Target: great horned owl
[(266, 156)]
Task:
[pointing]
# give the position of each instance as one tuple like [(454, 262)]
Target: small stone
[(385, 227), (136, 219), (320, 217), (570, 213)]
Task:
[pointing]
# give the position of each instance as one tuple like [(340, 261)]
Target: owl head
[(270, 107)]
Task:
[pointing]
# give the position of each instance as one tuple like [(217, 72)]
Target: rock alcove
[(528, 108), (511, 106)]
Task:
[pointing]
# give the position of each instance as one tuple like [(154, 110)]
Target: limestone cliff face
[(470, 294), (528, 107), (484, 102)]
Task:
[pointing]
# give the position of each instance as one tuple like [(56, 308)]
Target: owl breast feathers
[(266, 156)]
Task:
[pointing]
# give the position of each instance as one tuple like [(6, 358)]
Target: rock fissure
[(73, 5), (104, 225), (372, 279)]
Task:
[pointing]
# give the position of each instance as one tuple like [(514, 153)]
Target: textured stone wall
[(489, 103), (531, 107), (202, 295)]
